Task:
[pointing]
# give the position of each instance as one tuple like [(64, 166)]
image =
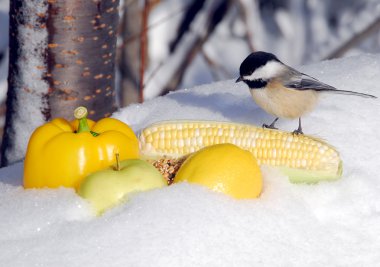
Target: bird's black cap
[(255, 61)]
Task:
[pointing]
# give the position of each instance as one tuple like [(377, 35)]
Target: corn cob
[(302, 158)]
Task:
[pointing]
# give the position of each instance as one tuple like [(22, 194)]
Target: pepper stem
[(117, 161), (80, 113)]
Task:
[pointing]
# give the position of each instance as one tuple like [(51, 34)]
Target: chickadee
[(281, 90)]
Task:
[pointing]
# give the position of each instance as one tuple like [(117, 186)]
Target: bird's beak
[(238, 79)]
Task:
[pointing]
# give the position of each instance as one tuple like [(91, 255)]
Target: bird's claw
[(297, 132), (271, 126)]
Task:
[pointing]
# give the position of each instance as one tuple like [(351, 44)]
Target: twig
[(153, 73), (215, 66), (211, 64), (355, 40), (153, 25), (244, 10), (173, 70), (143, 41), (131, 22)]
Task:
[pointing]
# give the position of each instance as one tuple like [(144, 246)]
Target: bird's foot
[(271, 126), (297, 132)]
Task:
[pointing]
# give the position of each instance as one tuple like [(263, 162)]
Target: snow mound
[(329, 224)]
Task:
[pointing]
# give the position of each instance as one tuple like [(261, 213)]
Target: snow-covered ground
[(328, 224)]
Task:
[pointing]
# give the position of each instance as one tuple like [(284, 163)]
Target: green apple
[(109, 187)]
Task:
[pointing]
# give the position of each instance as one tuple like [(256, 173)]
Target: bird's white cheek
[(268, 71)]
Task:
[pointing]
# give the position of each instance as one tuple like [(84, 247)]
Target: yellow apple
[(109, 187)]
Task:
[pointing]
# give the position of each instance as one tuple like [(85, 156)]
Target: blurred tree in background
[(164, 45), (61, 56)]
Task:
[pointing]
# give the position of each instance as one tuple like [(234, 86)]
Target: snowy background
[(328, 224), (297, 31)]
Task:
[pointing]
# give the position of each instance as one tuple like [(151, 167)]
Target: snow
[(327, 224)]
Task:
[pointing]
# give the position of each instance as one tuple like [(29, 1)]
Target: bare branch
[(215, 67), (153, 25), (143, 49), (355, 39), (170, 74), (245, 10), (129, 54)]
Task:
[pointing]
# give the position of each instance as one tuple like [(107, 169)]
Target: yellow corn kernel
[(276, 148)]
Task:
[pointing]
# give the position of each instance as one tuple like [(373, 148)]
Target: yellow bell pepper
[(61, 153)]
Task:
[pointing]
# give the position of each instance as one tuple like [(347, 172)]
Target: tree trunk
[(62, 55)]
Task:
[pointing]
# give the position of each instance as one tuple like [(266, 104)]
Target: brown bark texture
[(81, 56), (62, 55)]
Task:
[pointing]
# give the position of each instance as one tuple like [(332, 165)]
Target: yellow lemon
[(223, 168)]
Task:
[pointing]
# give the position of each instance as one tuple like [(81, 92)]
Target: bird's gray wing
[(300, 81)]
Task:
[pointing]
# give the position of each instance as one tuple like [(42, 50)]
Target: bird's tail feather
[(344, 92)]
